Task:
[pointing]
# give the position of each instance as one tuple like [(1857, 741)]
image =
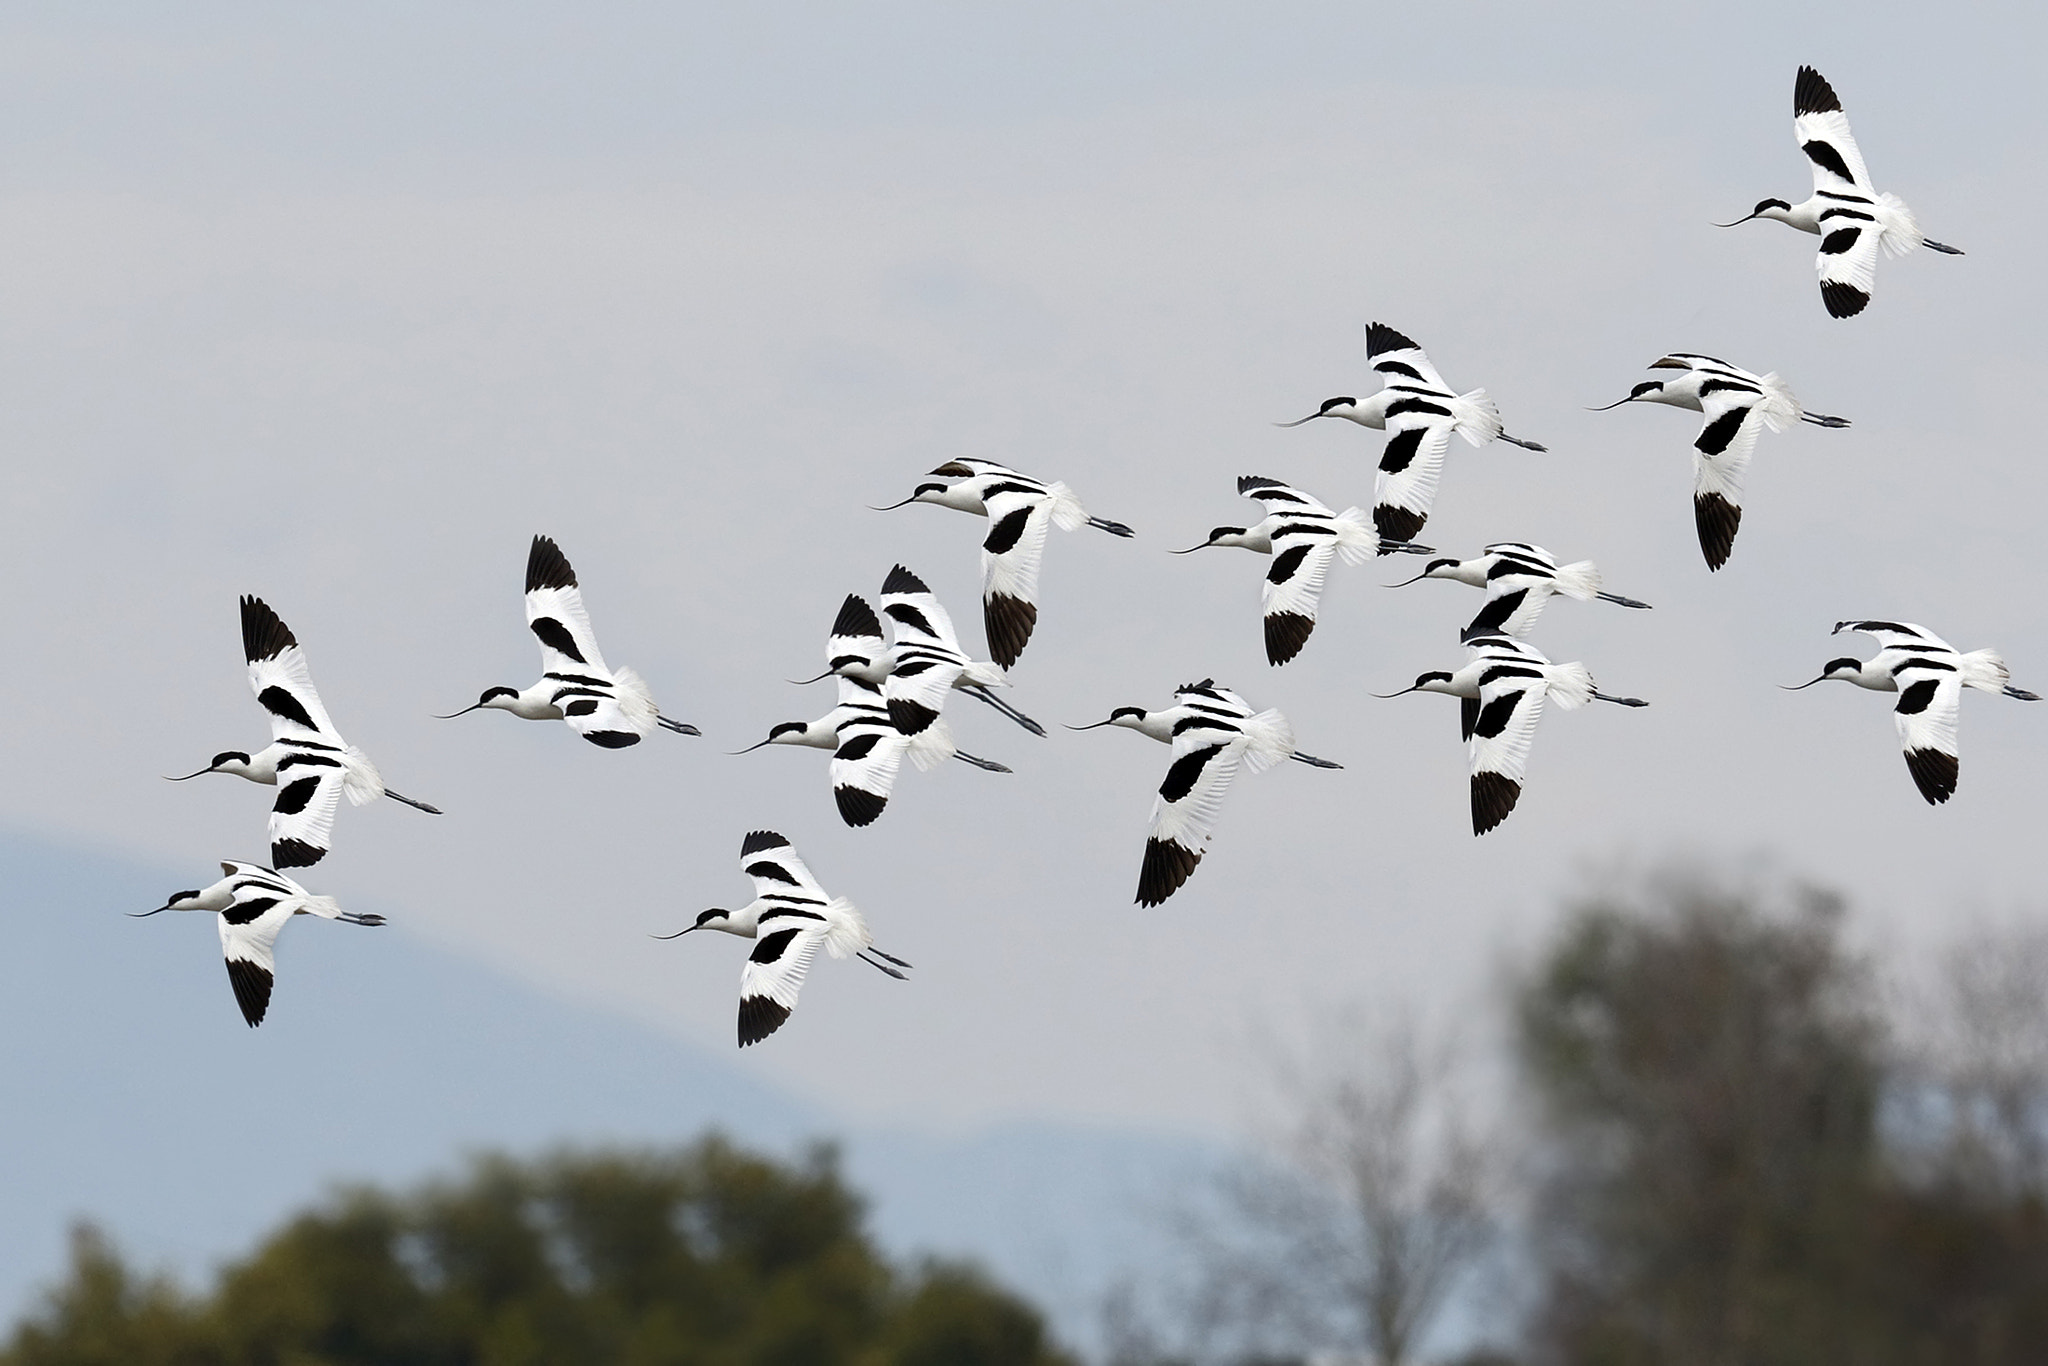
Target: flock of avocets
[(895, 669)]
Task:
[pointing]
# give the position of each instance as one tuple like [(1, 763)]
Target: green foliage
[(706, 1255)]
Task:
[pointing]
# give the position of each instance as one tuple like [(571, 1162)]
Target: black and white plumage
[(1503, 686), (868, 748), (1737, 405), (789, 917), (1519, 579), (1929, 676), (1852, 220), (254, 903), (306, 760), (611, 708), (1302, 536), (1019, 509), (1213, 732), (925, 660), (1419, 412)]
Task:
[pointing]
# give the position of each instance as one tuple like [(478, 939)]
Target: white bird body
[(1420, 412), (1020, 509), (1737, 405), (1852, 219), (789, 918), (1519, 580), (1213, 732), (307, 760), (610, 707), (1929, 676), (254, 903), (1504, 684)]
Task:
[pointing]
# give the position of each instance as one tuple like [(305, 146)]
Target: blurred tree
[(707, 1255)]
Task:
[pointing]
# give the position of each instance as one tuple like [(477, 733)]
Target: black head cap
[(786, 727), (1341, 402), (489, 693), (226, 755)]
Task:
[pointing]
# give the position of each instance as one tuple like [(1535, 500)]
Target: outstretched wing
[(864, 767), (778, 872), (926, 657), (1847, 260), (915, 613), (1722, 450), (774, 973), (1510, 703), (1417, 437), (1205, 759), (1400, 360), (1018, 521), (1822, 130), (1515, 596), (856, 641), (279, 677), (309, 788), (555, 615), (1897, 635), (1293, 586), (248, 940), (1930, 701)]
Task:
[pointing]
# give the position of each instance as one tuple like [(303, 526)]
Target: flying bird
[(306, 760), (925, 660), (1213, 731), (1846, 212), (1419, 412), (867, 747), (789, 917), (254, 903), (606, 706), (1929, 675), (1737, 405), (1019, 509), (1519, 579), (1302, 536), (1504, 685)]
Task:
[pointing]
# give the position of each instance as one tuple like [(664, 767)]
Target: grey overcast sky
[(340, 308)]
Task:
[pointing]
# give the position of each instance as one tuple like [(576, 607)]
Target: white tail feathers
[(1476, 416), (326, 907), (636, 703), (1580, 580), (989, 675), (1571, 685), (1067, 512), (846, 933), (360, 780), (1778, 408), (1985, 669), (932, 746), (1271, 740), (1357, 541), (1899, 232)]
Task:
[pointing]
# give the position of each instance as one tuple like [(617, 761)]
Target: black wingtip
[(252, 989), (1396, 524), (760, 1016), (856, 618), (1247, 482), (1934, 773), (264, 634), (912, 718), (901, 580), (1167, 865), (290, 853), (1286, 633), (547, 567), (1380, 339), (1718, 520), (1493, 797), (612, 739), (757, 840), (1008, 623), (1843, 301), (1811, 94), (858, 806)]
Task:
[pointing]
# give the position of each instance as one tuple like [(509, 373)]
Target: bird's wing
[(774, 973), (1930, 702), (1514, 599), (1822, 130), (1847, 260), (1018, 522), (1205, 759), (915, 612), (1510, 704), (1721, 454), (777, 870), (555, 615), (1275, 496), (279, 677), (1897, 635), (1399, 359), (248, 939), (856, 640), (1293, 585), (309, 788), (864, 767), (1409, 469)]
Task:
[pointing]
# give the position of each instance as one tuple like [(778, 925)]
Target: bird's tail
[(360, 779), (636, 703), (1778, 408), (1067, 512), (1571, 685), (986, 674), (1985, 669), (846, 933), (1580, 580), (1476, 416), (1898, 231), (932, 746), (326, 907), (1271, 740), (1357, 540)]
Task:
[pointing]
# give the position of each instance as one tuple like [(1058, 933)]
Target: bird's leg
[(415, 805), (989, 764), (1006, 709)]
